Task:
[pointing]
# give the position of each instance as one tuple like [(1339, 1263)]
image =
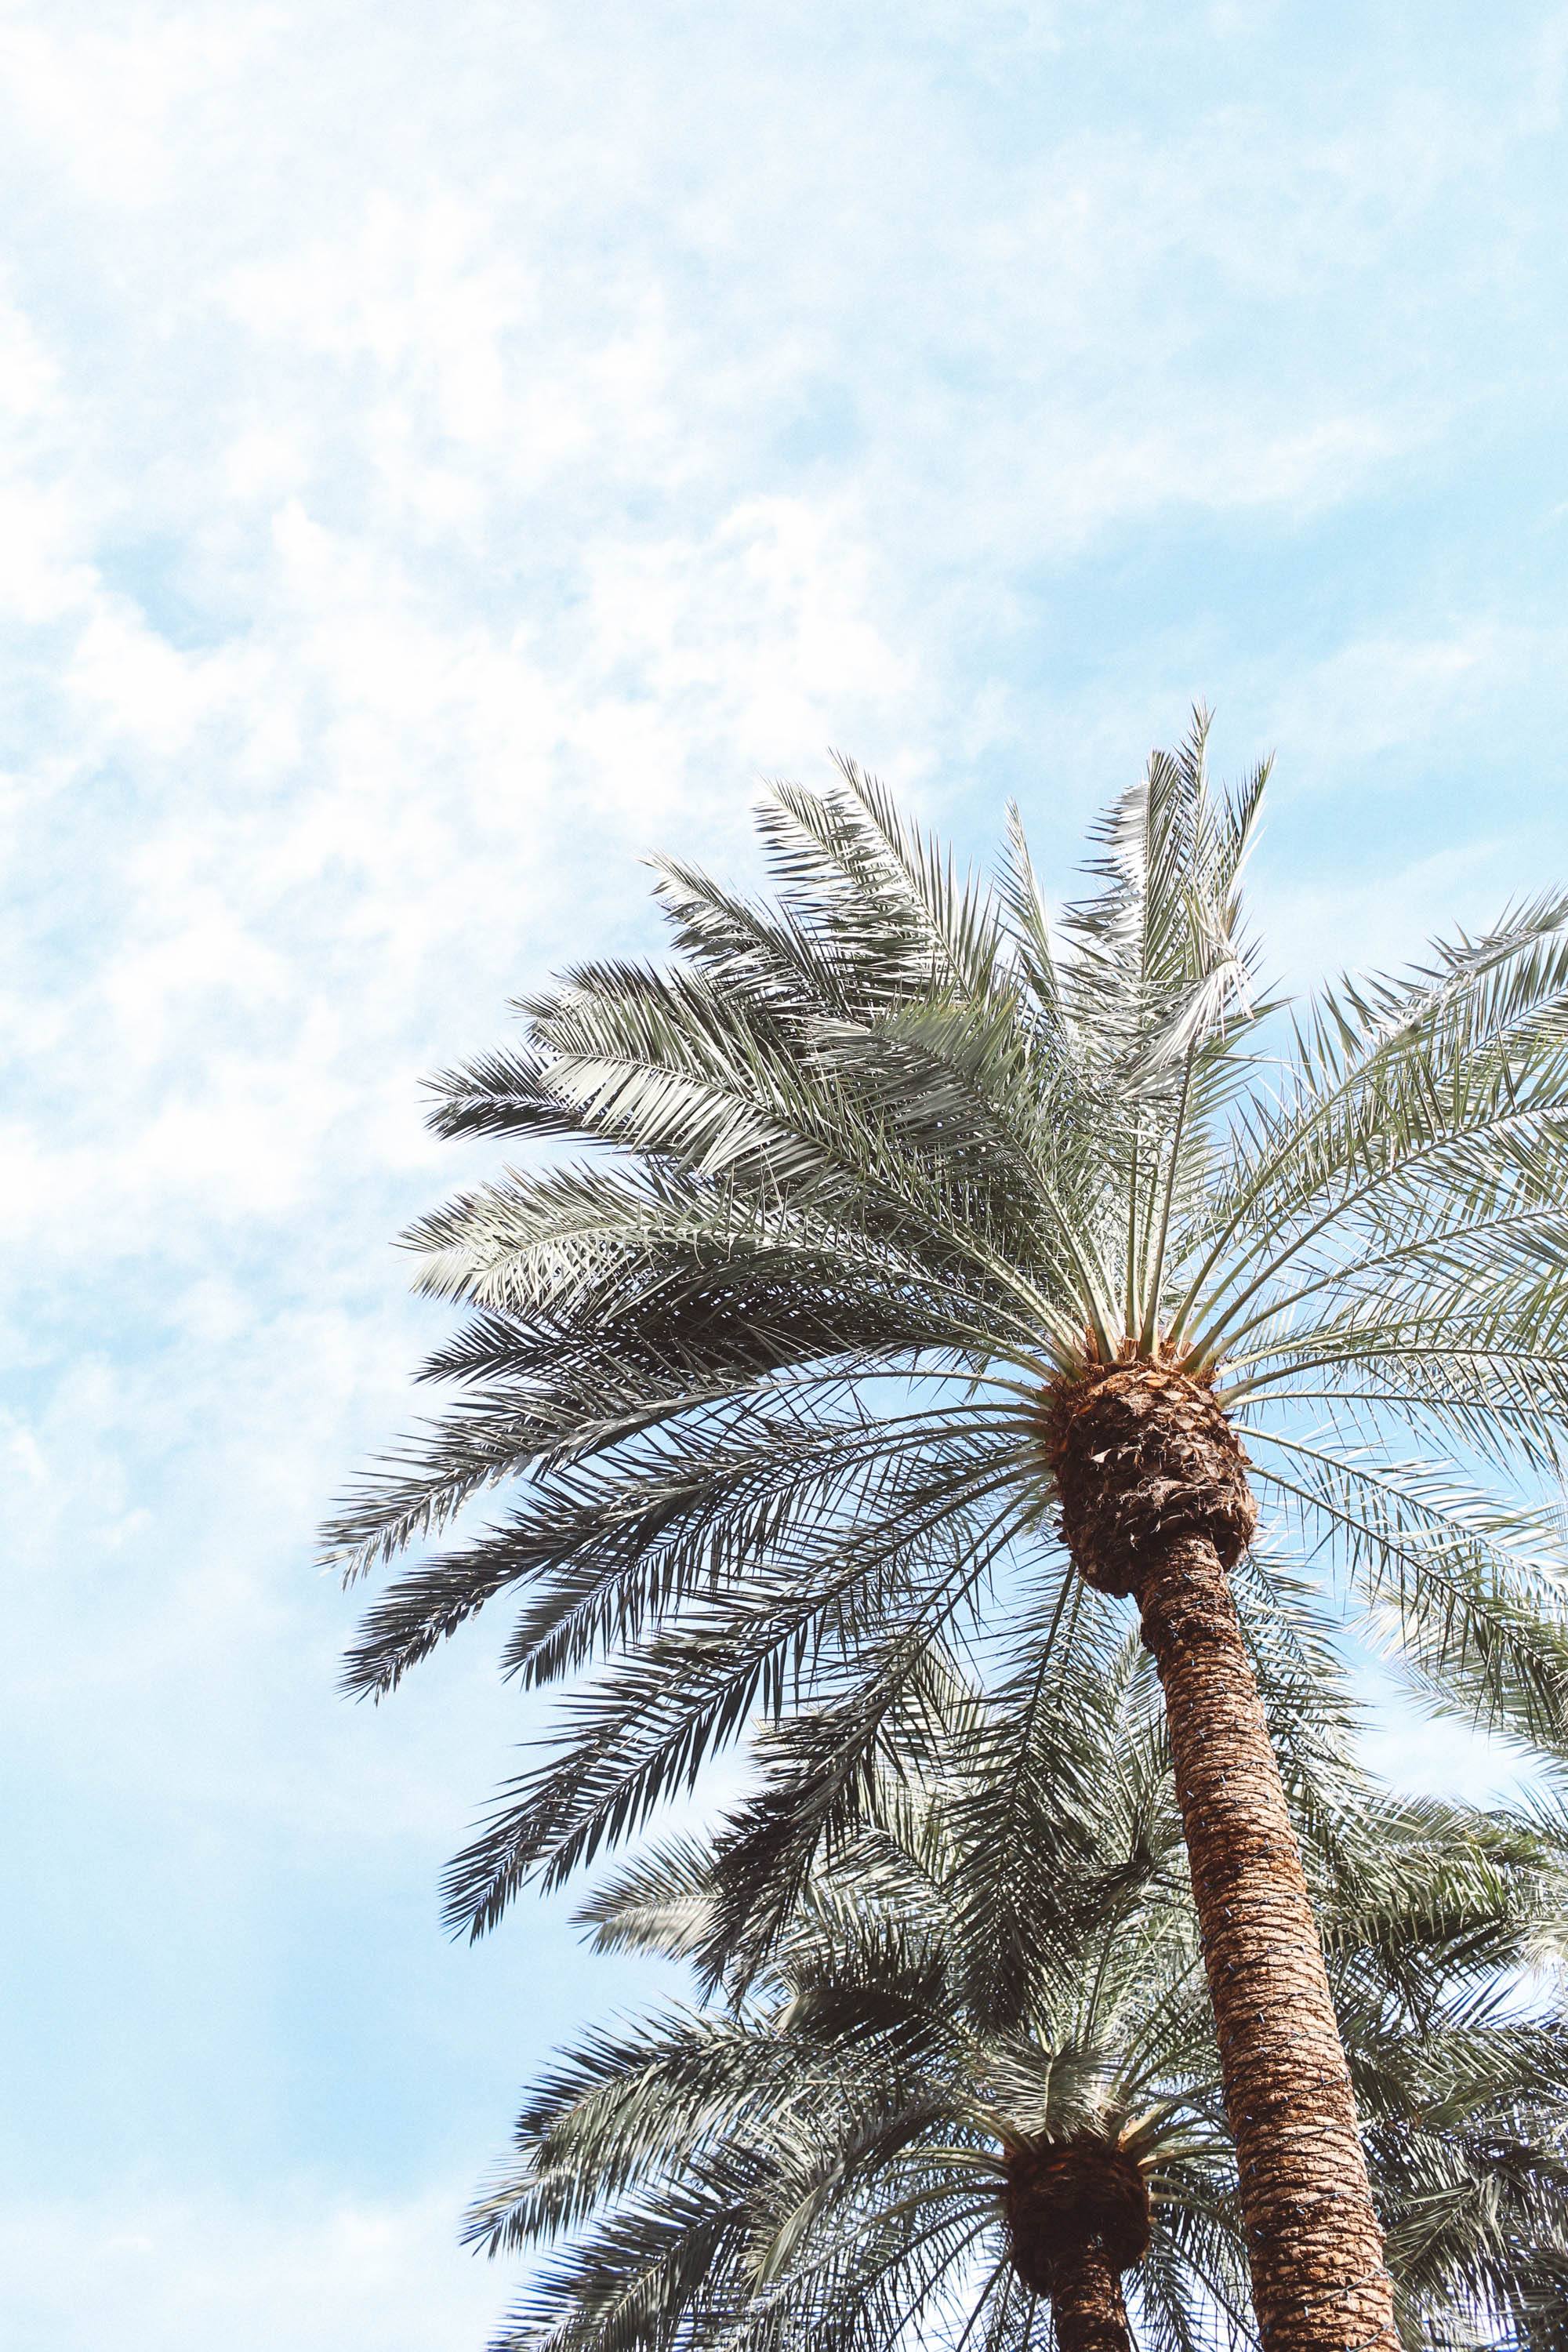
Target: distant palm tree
[(934, 1269), (877, 2146)]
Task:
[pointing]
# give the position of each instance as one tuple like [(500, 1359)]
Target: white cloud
[(306, 2268), (1402, 693), (105, 102), (1444, 1759)]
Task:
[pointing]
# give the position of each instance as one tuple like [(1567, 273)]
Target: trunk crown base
[(1142, 1453), (1063, 2196)]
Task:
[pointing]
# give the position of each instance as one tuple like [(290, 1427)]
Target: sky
[(448, 452)]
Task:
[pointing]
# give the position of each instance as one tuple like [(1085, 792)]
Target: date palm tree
[(942, 1272), (877, 2142)]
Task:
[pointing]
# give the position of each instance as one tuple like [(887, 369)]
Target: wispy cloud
[(301, 2267)]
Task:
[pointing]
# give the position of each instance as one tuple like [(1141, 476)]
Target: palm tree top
[(888, 1172)]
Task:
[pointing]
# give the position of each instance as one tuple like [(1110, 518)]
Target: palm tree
[(871, 2137), (940, 1273)]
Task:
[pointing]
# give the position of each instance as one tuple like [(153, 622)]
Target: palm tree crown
[(887, 1159), (878, 2140)]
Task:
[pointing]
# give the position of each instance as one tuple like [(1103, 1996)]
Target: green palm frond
[(819, 2152), (874, 1159)]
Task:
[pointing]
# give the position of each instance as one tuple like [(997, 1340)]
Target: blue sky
[(448, 451)]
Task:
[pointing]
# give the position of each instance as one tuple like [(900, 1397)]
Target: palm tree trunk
[(1086, 2303), (1316, 2251), (1152, 1480)]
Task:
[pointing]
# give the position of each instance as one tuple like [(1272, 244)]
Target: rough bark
[(1078, 2216), (1153, 1487), (1087, 2305), (1142, 1454)]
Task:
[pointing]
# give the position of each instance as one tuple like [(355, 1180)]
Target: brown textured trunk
[(1155, 1503), (1087, 2305), (1317, 2277), (1078, 2216)]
